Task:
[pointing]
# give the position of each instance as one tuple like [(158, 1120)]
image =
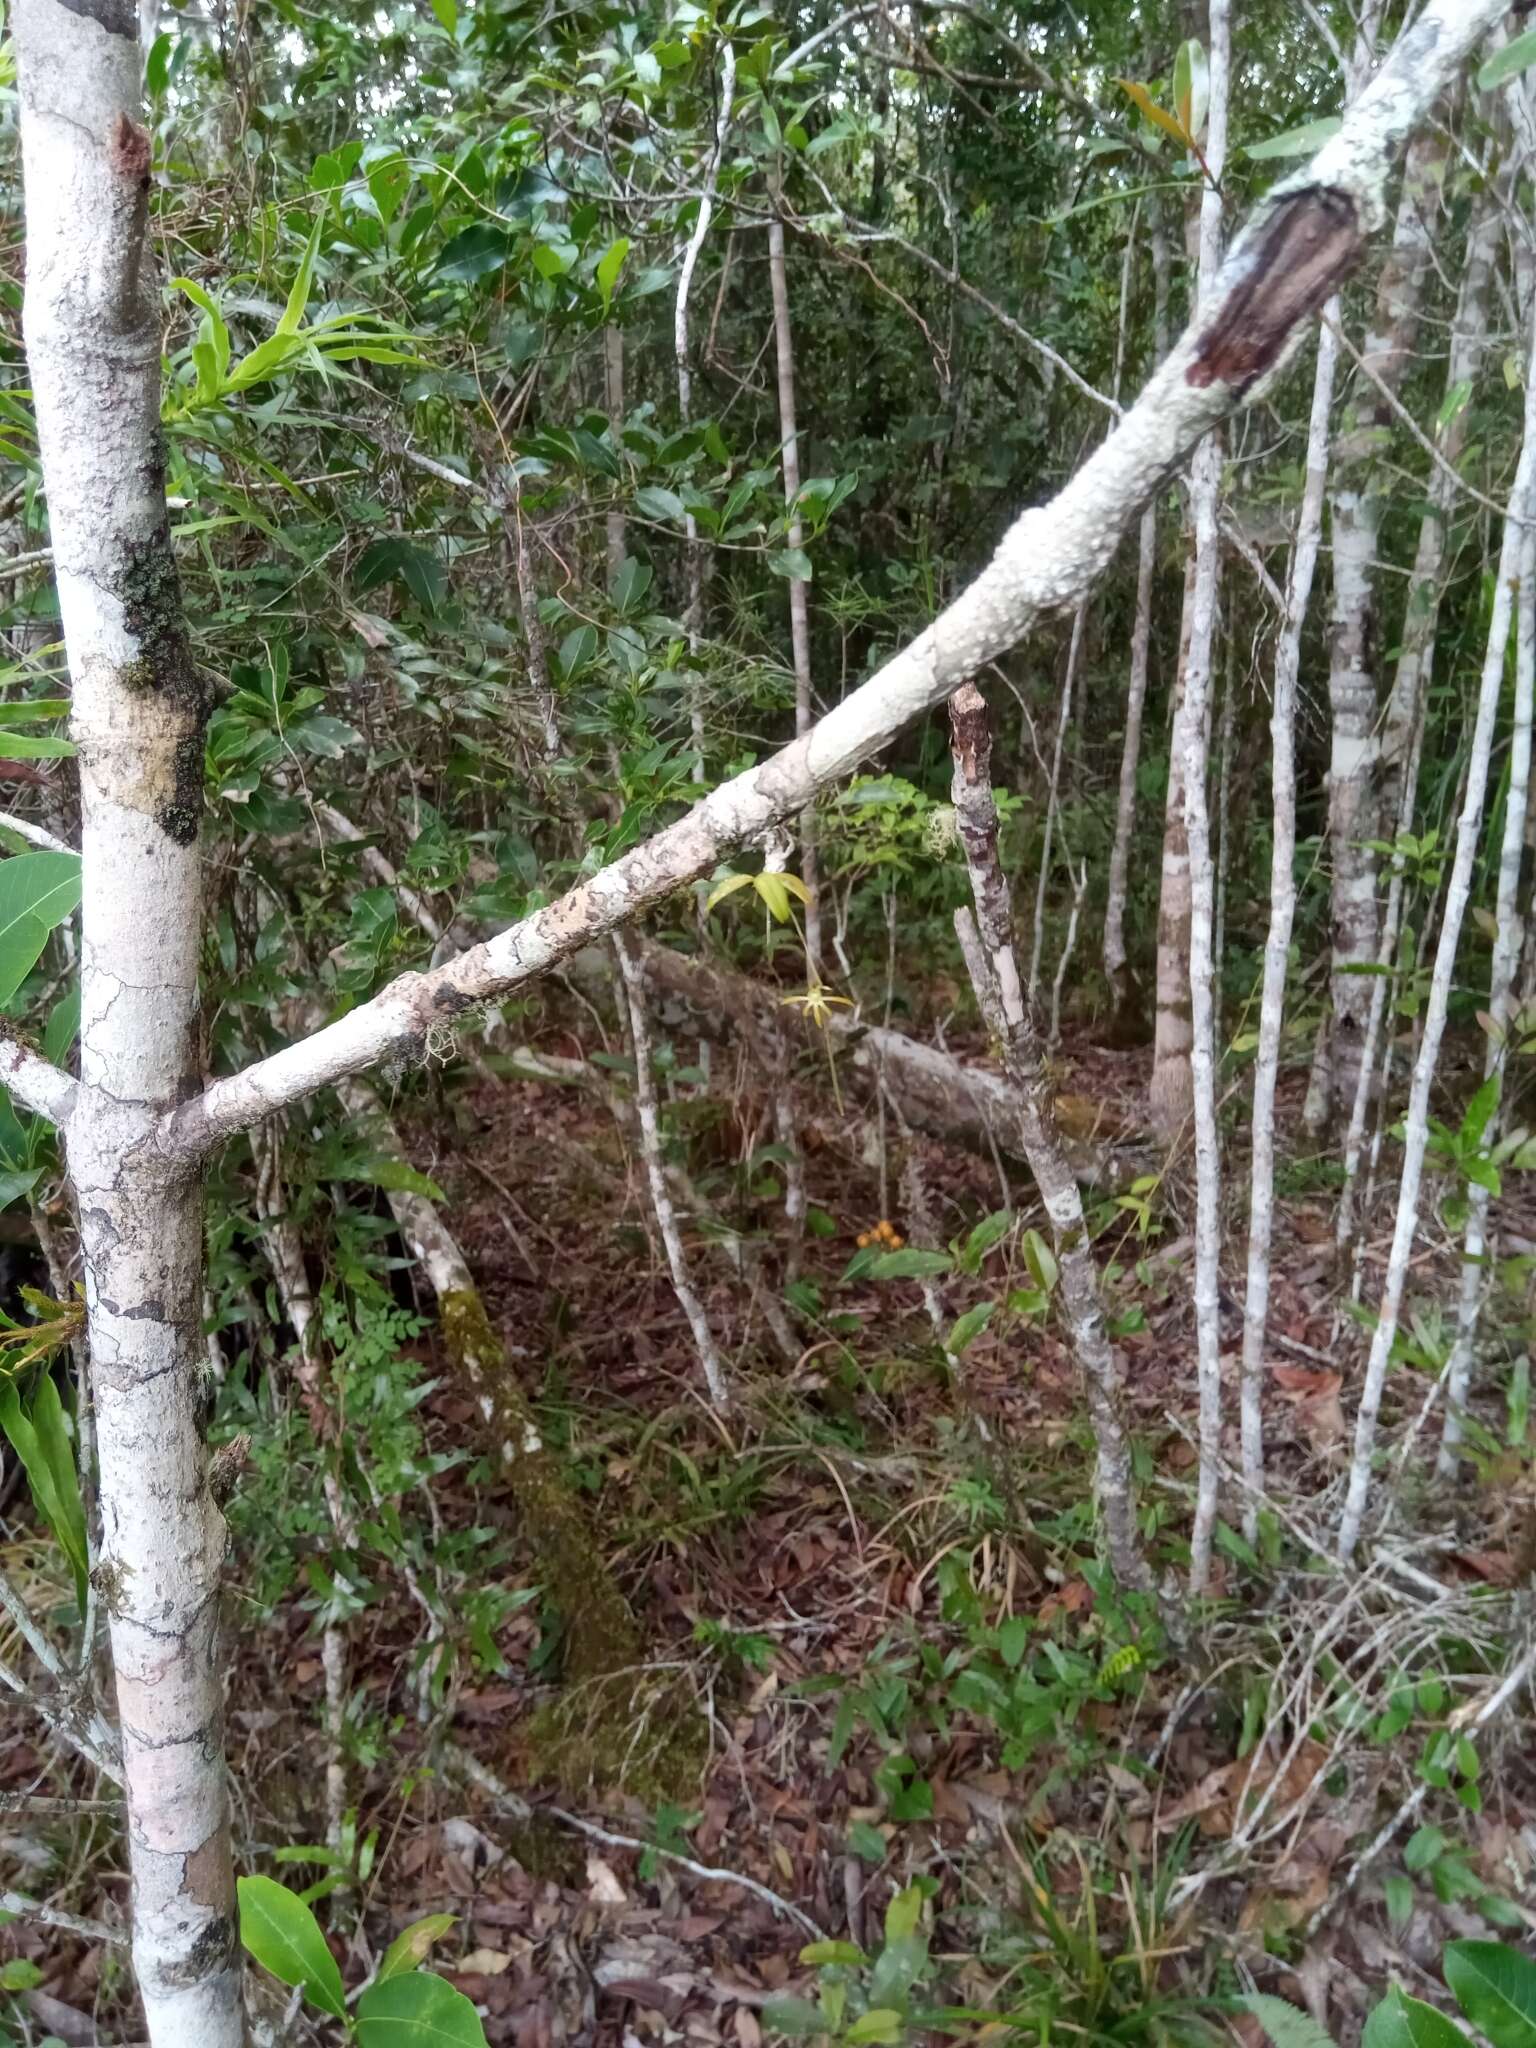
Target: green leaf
[(283, 1935), (1300, 141), (1398, 1892), (1192, 86), (1495, 1987), (969, 1327), (30, 746), (610, 263), (910, 1264), (298, 296), (28, 710), (794, 563), (652, 502), (40, 1441), (447, 15), (1041, 1261), (394, 560), (1516, 54), (417, 2011), (1403, 2022), (879, 2024), (37, 891), (1286, 2025), (412, 1944), (816, 1953), (478, 252)]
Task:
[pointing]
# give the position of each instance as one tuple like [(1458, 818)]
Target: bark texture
[(988, 944), (93, 346)]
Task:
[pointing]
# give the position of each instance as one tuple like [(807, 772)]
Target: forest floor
[(876, 1580)]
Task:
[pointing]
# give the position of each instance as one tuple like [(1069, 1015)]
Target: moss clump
[(618, 1723), (637, 1731), (149, 590), (542, 1849), (600, 1631)]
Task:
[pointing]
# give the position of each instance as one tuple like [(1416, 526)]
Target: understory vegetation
[(905, 1414)]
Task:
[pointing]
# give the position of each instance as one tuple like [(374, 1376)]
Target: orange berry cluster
[(884, 1233)]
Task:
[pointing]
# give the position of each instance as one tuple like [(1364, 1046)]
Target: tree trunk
[(1282, 912), (988, 946), (1355, 628), (1116, 966), (1458, 891), (799, 613), (93, 346)]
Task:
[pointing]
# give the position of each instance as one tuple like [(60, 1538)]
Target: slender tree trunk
[(1404, 723), (613, 399), (693, 616), (1355, 644), (1282, 913), (93, 346), (1192, 743), (799, 600), (1116, 966), (633, 981), (1053, 802), (1522, 504), (988, 945), (1509, 941)]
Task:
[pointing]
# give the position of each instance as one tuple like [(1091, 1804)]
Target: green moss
[(600, 1631), (618, 1724), (638, 1731), (149, 590)]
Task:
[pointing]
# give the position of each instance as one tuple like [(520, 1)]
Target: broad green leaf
[(910, 1264), (37, 891), (1286, 2025), (727, 887), (1302, 141), (1495, 1987), (1192, 87), (1516, 55), (412, 1944), (1041, 1261), (969, 1327), (880, 2024), (793, 563), (1403, 2022), (417, 2011), (652, 502), (283, 1935), (610, 263)]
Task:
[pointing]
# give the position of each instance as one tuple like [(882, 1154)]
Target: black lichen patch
[(117, 17), (149, 591)]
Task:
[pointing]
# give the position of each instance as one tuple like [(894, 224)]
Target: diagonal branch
[(35, 1082), (1306, 237)]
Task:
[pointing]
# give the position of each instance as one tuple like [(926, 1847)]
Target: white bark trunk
[(1282, 913), (656, 1173), (988, 946), (1509, 941), (1052, 802), (93, 345), (1522, 502), (799, 613), (1193, 745), (1404, 725)]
